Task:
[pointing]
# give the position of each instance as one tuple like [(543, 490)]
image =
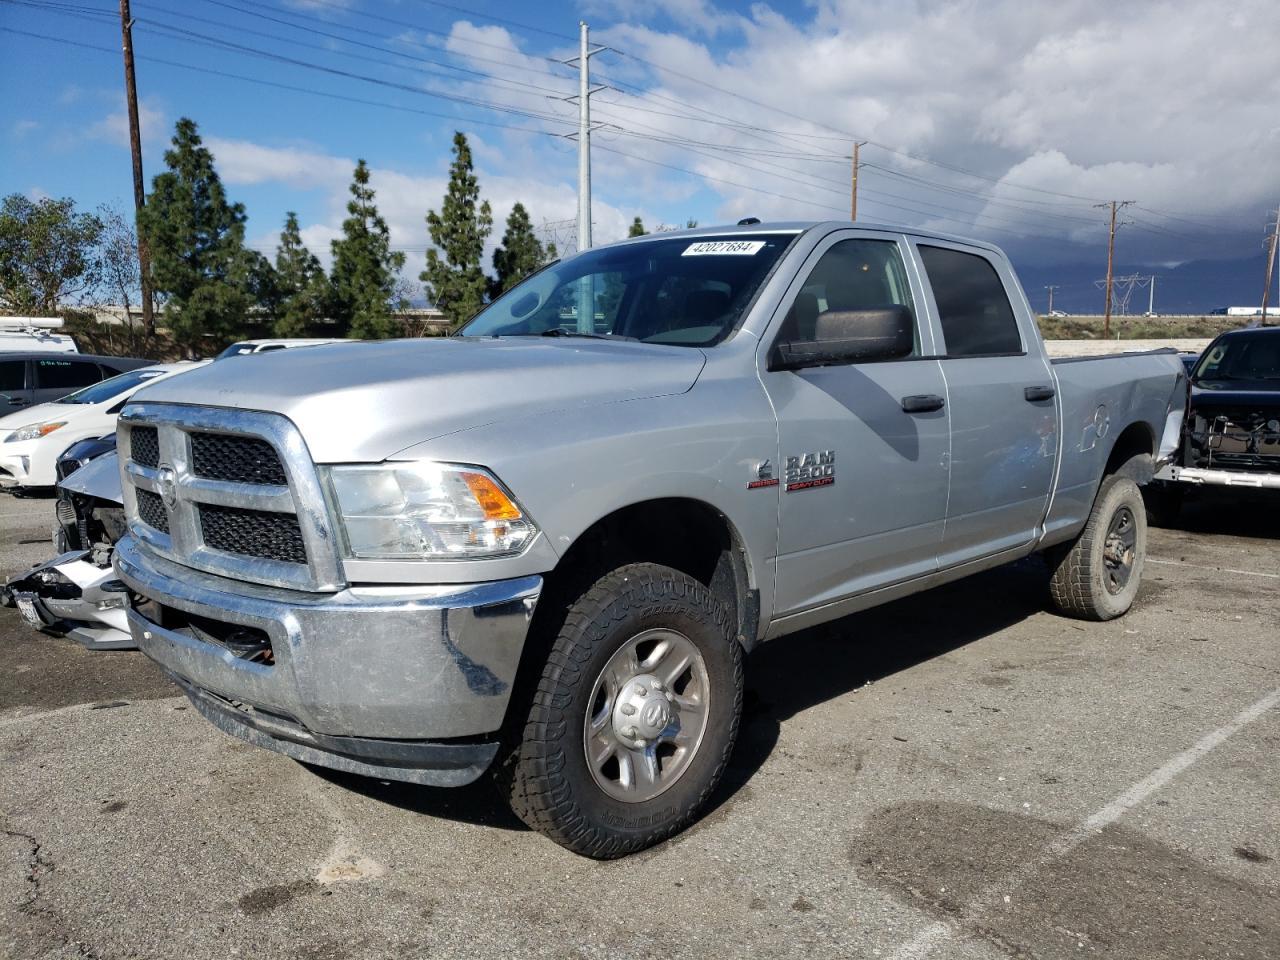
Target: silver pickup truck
[(544, 546)]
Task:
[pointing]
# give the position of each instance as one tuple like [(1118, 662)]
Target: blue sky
[(998, 119)]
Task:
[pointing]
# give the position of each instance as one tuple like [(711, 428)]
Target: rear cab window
[(973, 308)]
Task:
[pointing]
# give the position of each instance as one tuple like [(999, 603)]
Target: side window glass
[(11, 375), (972, 306), (65, 374), (849, 288)]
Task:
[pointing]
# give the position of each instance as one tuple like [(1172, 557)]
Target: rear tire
[(1097, 576), (617, 664)]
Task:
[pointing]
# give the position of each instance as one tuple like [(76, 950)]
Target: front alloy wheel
[(634, 716), (648, 715)]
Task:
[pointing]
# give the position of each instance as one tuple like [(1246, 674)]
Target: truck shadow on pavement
[(1253, 514), (794, 673), (790, 675)]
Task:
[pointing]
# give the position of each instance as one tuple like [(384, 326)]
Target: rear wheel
[(1097, 577), (634, 717)]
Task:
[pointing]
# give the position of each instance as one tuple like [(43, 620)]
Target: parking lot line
[(994, 895), (1204, 566)]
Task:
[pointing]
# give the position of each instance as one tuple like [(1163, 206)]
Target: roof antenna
[(748, 221)]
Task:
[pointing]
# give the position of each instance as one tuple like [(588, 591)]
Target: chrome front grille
[(144, 447), (151, 511), (219, 456), (253, 533), (229, 492)]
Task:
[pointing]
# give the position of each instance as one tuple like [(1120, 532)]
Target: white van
[(31, 334)]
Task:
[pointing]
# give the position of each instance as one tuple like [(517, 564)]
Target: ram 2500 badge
[(544, 547)]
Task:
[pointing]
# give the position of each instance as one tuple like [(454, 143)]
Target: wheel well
[(688, 535), (1132, 455)]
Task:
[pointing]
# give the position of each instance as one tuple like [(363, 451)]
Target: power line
[(279, 86)]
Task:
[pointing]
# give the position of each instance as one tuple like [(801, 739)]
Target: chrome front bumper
[(366, 679)]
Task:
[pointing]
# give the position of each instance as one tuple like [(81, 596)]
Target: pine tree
[(364, 266), (521, 252), (637, 228), (301, 288), (455, 280), (199, 263), (550, 254)]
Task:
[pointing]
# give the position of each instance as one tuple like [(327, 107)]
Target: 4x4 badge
[(764, 476)]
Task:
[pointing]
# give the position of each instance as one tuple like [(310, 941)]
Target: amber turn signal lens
[(495, 504)]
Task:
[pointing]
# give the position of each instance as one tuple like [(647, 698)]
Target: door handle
[(922, 403), (1034, 394)]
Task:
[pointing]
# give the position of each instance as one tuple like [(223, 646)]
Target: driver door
[(863, 446)]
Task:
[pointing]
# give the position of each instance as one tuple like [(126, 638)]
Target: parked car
[(545, 545), (248, 347), (32, 440), (76, 594), (35, 377), (1231, 436), (34, 335)]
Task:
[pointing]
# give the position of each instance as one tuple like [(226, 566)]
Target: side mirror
[(851, 336)]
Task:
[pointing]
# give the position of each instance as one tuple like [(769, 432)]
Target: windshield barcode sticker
[(742, 248)]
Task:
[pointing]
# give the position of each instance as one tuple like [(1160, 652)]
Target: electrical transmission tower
[(1121, 293), (1272, 243)]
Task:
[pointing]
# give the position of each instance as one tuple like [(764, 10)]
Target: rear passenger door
[(999, 387), (58, 376)]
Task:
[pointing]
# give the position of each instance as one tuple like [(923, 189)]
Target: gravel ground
[(959, 775)]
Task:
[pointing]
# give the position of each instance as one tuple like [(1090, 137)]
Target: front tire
[(1097, 577), (634, 717)]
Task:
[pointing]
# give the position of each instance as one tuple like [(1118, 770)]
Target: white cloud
[(114, 127), (21, 128), (247, 163), (1160, 101), (1083, 97)]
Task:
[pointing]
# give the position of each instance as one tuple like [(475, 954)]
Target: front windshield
[(106, 389), (686, 291), (1242, 356)]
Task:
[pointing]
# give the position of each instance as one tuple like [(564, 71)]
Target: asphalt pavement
[(963, 774)]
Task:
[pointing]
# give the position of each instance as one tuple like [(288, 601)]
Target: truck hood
[(1209, 394), (364, 402)]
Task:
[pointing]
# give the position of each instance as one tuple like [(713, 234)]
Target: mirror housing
[(851, 336)]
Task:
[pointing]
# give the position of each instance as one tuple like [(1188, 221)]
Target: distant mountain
[(1198, 286)]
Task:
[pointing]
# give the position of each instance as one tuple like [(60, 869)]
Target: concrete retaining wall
[(1098, 348)]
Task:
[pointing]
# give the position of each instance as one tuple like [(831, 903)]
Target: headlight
[(426, 511), (33, 431)]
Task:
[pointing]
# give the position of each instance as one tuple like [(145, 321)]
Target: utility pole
[(853, 183), (1271, 261), (1051, 289), (1151, 300), (1115, 205), (135, 145), (586, 289)]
